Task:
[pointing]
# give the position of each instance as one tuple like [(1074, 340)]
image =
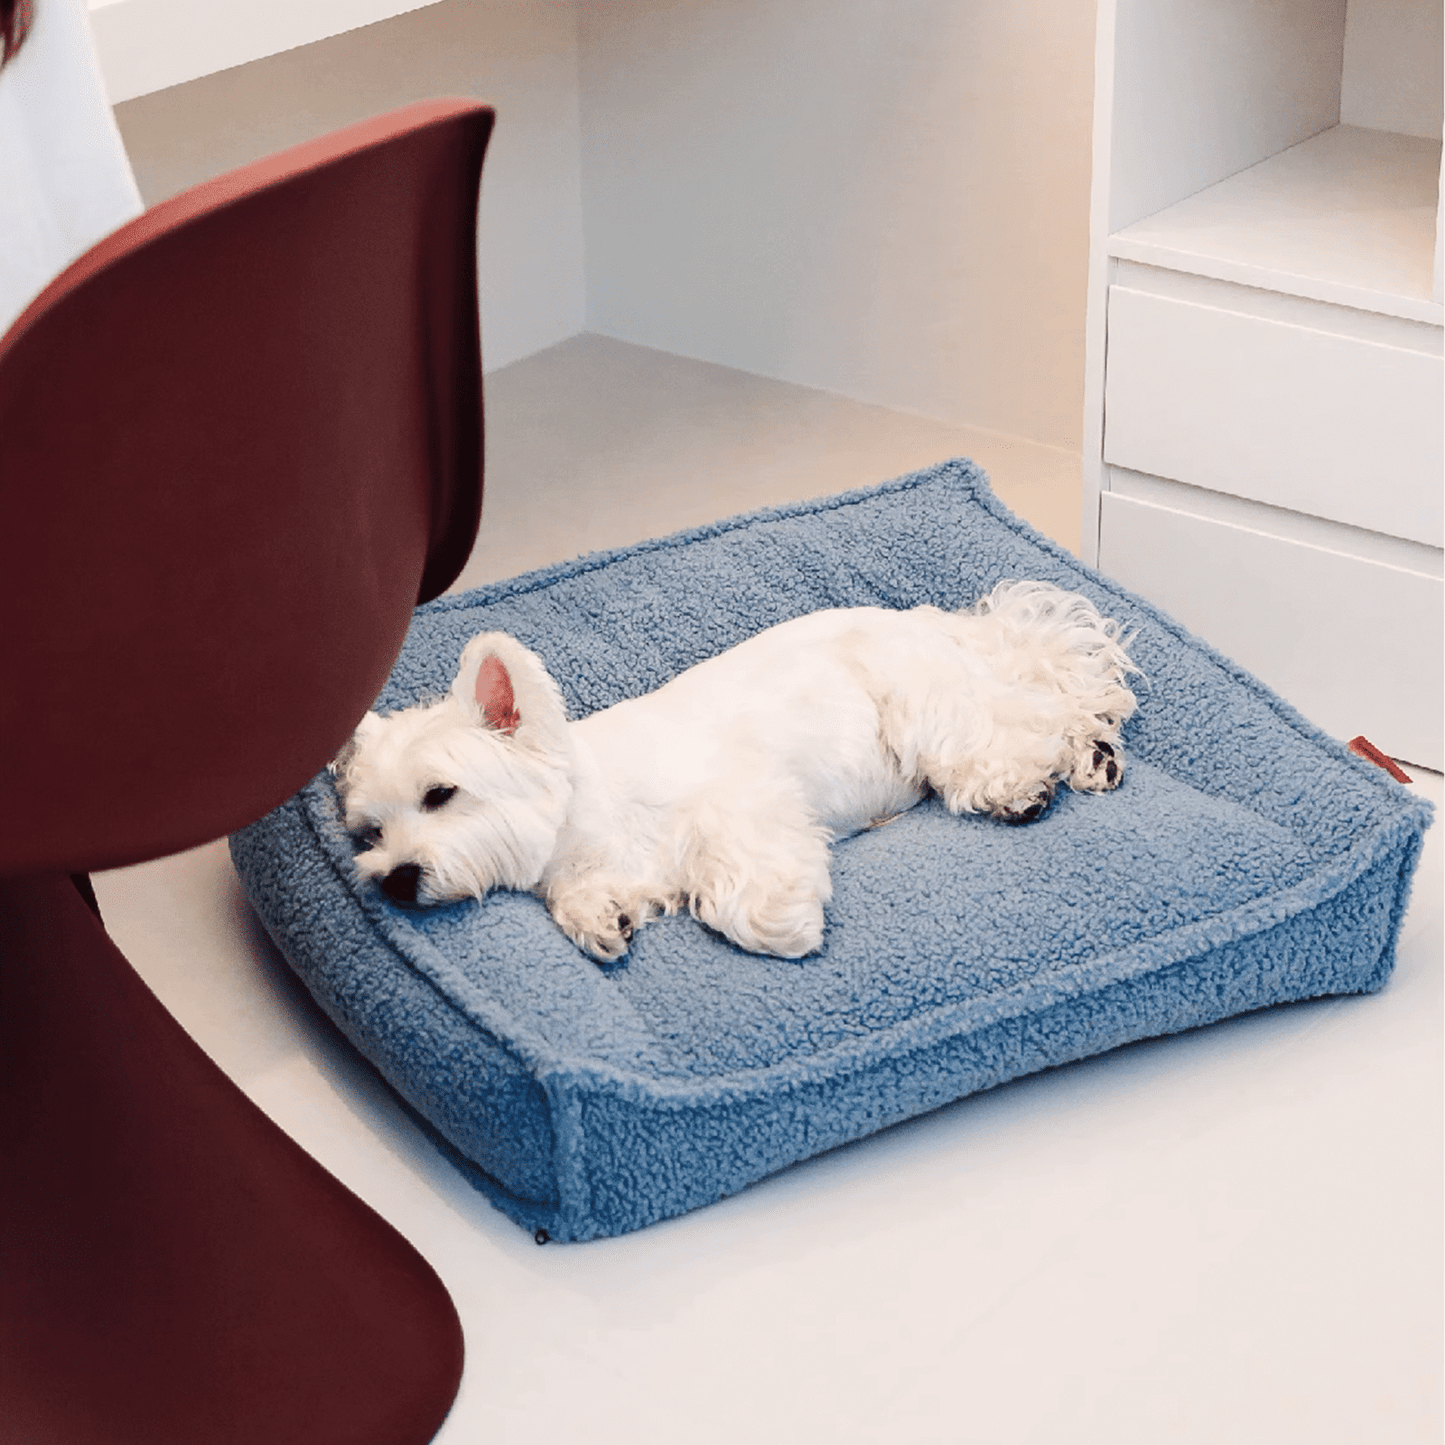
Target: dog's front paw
[(1098, 766), (597, 923), (606, 939)]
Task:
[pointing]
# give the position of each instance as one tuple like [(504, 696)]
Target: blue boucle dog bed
[(1246, 860)]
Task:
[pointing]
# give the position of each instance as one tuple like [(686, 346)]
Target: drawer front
[(1355, 645), (1323, 424)]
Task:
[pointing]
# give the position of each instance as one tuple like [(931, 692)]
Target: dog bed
[(1247, 860)]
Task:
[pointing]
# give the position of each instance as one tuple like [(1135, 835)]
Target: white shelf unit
[(1265, 390), (1348, 216)]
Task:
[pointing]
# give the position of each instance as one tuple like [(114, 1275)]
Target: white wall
[(886, 199), (149, 45), (882, 198), (518, 54)]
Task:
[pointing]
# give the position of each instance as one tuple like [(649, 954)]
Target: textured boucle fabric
[(1247, 860)]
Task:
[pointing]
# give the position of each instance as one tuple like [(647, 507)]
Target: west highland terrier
[(722, 790)]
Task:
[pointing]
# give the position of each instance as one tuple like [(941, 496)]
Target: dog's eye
[(437, 797), (367, 837)]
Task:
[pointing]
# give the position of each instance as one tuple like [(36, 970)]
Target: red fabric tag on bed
[(1364, 748)]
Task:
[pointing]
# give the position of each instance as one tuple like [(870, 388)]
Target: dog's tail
[(1067, 633)]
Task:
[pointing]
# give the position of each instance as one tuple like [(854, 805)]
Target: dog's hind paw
[(1026, 809), (785, 920), (1098, 766)]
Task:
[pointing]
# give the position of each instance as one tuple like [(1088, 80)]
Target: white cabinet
[(1264, 450)]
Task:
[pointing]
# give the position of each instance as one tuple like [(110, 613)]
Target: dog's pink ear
[(495, 699)]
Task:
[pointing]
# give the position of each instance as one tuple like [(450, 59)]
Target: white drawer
[(1319, 423), (1356, 645)]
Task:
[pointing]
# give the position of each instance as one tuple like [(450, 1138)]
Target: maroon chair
[(239, 440)]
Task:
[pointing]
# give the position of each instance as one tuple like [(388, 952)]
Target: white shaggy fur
[(722, 790)]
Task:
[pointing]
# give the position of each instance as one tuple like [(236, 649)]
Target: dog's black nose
[(400, 883)]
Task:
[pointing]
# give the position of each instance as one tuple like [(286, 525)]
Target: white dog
[(722, 790)]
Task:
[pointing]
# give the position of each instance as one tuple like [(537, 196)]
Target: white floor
[(1233, 1235)]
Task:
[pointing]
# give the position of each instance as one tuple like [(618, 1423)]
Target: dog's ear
[(483, 684), (495, 699), (338, 766), (504, 688)]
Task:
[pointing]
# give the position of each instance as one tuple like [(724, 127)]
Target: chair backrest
[(239, 440)]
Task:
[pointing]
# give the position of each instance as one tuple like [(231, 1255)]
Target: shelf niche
[(1293, 146)]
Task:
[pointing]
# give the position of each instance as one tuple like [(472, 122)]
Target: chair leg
[(174, 1268)]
